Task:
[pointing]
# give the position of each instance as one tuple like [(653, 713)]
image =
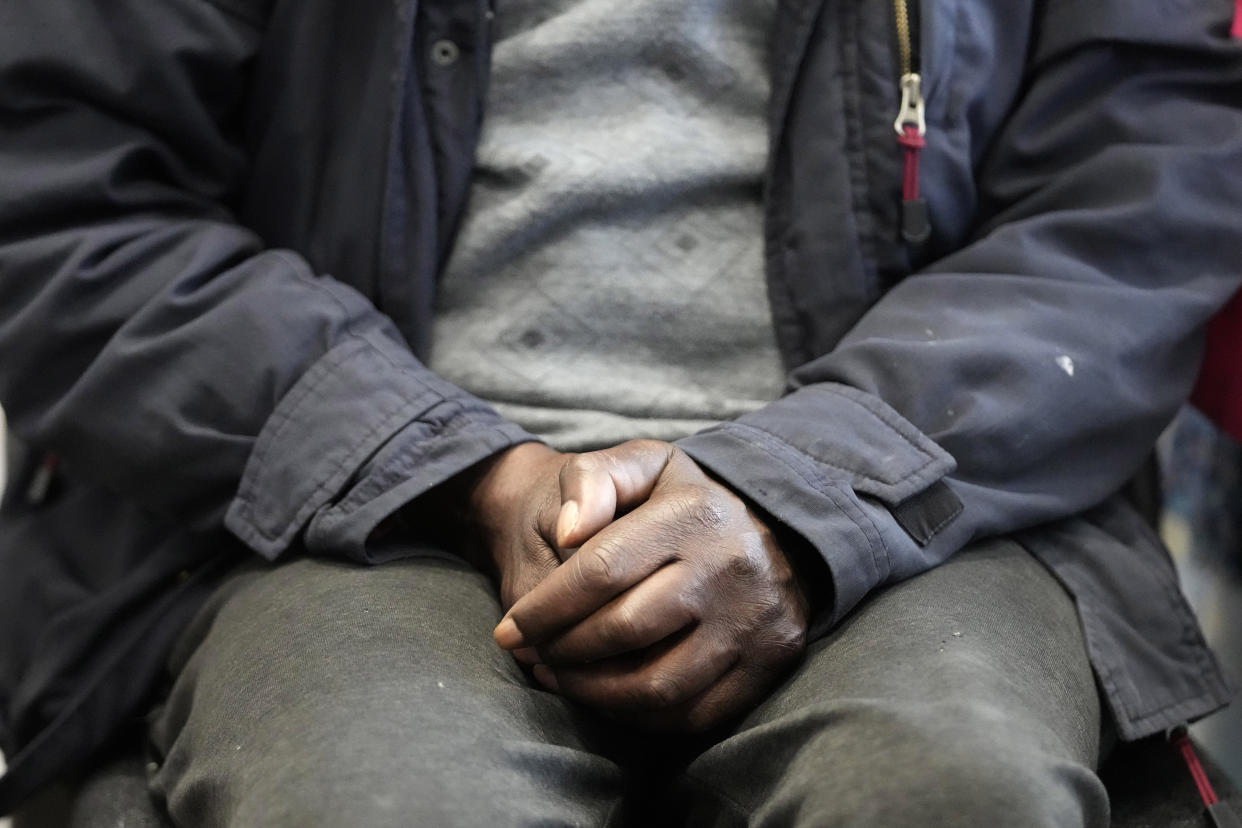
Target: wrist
[(488, 491), (809, 572), (467, 511)]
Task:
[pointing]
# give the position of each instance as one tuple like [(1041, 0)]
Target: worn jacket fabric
[(222, 221)]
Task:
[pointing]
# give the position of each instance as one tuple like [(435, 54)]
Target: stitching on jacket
[(884, 413), (803, 19), (881, 410), (810, 475), (346, 465), (381, 481), (410, 455), (1107, 672), (392, 256), (1112, 675), (1188, 637), (870, 531), (864, 219), (249, 483), (946, 520), (349, 464), (318, 374), (917, 473), (826, 487), (1177, 712)]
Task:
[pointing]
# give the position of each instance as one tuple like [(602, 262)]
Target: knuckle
[(599, 569), (713, 514), (785, 639), (661, 691), (644, 446), (623, 626), (581, 465), (769, 612), (698, 510), (744, 565), (687, 603)]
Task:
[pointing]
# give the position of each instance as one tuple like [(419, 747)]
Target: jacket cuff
[(843, 470), (365, 430)]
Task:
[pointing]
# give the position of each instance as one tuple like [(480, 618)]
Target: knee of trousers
[(378, 750), (326, 695), (373, 780), (945, 766)]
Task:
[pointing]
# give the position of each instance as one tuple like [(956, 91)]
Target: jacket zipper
[(911, 127)]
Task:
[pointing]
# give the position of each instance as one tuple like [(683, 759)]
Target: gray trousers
[(317, 693)]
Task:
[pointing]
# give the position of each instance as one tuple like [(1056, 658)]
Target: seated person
[(589, 413)]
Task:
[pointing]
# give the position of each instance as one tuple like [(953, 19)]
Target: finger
[(532, 562), (733, 694), (665, 678), (652, 610), (594, 485), (528, 656), (612, 562)]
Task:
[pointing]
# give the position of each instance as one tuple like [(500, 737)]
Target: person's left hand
[(680, 614)]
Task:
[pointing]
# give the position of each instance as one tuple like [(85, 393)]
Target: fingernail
[(508, 635), (545, 676), (566, 521)]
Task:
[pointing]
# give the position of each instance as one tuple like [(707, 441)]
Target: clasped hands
[(636, 584)]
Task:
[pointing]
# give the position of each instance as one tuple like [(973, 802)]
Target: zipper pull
[(911, 127), (913, 107)]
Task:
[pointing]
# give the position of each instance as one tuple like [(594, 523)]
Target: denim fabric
[(320, 693)]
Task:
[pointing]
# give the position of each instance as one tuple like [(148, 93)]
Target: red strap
[(1236, 31), (1196, 770), (913, 142)]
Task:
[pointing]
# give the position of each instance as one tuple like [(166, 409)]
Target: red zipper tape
[(1236, 31), (1206, 793)]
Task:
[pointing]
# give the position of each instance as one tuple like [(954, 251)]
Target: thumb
[(596, 484)]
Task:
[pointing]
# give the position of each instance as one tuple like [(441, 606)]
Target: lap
[(322, 693), (972, 676), (387, 681)]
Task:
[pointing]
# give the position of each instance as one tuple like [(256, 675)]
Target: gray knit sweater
[(607, 281)]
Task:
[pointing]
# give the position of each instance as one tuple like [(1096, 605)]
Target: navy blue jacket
[(222, 223)]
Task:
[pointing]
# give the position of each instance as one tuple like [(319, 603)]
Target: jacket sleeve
[(157, 345), (1025, 377)]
